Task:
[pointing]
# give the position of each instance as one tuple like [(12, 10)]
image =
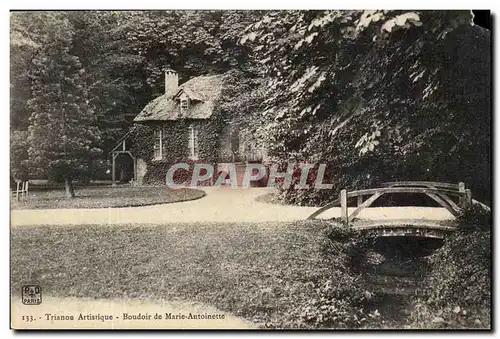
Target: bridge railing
[(439, 192)]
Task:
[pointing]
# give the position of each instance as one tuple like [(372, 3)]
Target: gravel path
[(219, 205)]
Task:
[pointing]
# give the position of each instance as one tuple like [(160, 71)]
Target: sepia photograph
[(250, 169)]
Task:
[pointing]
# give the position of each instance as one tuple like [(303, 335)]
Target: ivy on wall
[(175, 146)]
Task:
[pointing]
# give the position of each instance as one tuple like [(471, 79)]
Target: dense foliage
[(63, 136), (459, 284), (377, 95), (173, 149)]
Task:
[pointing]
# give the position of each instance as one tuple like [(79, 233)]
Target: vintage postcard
[(238, 169)]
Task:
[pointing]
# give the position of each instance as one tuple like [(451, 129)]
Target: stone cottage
[(186, 124)]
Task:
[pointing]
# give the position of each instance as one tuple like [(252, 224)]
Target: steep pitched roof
[(192, 95), (203, 90)]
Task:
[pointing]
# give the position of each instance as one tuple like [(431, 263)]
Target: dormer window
[(184, 102)]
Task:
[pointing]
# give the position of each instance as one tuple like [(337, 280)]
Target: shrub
[(338, 303), (476, 217), (459, 284), (304, 197), (339, 299)]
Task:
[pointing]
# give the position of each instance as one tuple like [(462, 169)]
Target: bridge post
[(461, 188), (343, 206), (467, 198), (360, 200)]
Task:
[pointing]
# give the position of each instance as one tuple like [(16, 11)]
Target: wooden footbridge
[(453, 197)]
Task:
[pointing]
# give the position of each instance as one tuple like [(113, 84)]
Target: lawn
[(264, 272), (277, 275), (103, 197)]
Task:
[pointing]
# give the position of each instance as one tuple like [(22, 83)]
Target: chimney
[(171, 82)]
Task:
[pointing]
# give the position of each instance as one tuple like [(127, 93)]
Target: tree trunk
[(70, 191)]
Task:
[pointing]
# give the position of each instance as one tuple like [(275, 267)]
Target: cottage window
[(193, 143), (184, 105), (158, 144)]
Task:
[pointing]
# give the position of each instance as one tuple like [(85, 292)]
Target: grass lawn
[(260, 271), (103, 197), (277, 275)]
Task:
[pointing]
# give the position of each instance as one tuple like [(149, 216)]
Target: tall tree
[(114, 76), (368, 92), (63, 135), (22, 49)]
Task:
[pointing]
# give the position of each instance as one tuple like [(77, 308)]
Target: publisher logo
[(32, 295)]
